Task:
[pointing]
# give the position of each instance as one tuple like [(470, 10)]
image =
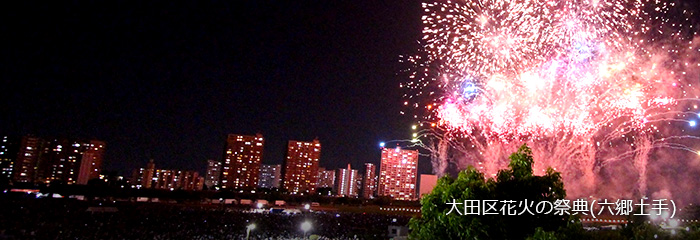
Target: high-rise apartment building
[(189, 181), (242, 160), (346, 182), (136, 180), (25, 166), (60, 159), (301, 167), (326, 179), (213, 174), (369, 182), (270, 176), (9, 148), (358, 184), (166, 179), (397, 174), (91, 161), (70, 161), (150, 177), (148, 173)]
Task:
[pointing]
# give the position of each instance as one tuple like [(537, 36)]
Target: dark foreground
[(69, 219)]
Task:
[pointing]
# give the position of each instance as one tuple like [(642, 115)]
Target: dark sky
[(169, 80)]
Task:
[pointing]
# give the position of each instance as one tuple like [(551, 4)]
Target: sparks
[(571, 77)]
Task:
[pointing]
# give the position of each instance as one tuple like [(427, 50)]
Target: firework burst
[(584, 82)]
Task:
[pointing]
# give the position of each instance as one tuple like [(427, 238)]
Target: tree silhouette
[(517, 183)]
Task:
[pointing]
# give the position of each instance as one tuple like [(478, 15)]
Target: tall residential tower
[(346, 182), (301, 167), (213, 174), (242, 160), (397, 175), (369, 182), (270, 176)]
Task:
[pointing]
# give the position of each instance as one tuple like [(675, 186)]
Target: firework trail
[(593, 86)]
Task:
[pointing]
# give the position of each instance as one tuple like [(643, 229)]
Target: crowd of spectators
[(70, 219)]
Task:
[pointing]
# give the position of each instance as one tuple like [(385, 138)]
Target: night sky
[(169, 81)]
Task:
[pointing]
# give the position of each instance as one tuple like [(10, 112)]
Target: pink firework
[(582, 81)]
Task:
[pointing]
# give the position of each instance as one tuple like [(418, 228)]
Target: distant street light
[(248, 229), (306, 226)]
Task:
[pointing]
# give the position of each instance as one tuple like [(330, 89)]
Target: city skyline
[(212, 176), (203, 164)]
